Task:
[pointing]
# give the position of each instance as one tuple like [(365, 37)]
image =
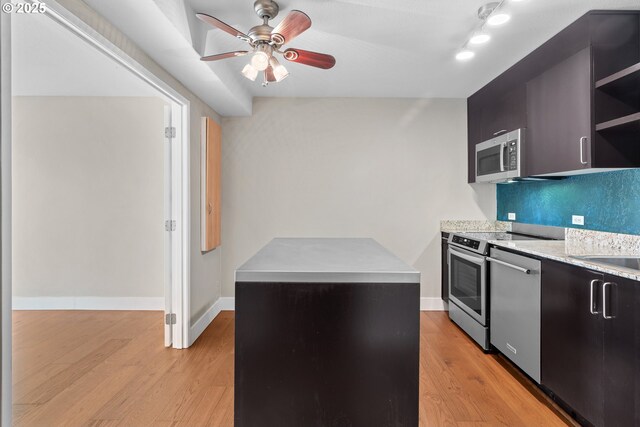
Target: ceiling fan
[(266, 41)]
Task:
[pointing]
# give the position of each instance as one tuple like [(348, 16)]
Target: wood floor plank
[(223, 413), (36, 381), (63, 379), (128, 327), (134, 391), (205, 409), (75, 406), (112, 370)]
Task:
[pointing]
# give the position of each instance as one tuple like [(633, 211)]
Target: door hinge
[(170, 225), (170, 319), (170, 132)]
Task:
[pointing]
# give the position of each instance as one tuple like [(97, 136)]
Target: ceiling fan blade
[(221, 25), (268, 75), (224, 55), (294, 24), (306, 57)]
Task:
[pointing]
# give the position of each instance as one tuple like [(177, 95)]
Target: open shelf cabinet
[(618, 101)]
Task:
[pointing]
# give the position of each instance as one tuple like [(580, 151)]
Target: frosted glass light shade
[(250, 72), (279, 71)]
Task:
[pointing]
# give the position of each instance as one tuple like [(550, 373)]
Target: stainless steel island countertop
[(326, 260)]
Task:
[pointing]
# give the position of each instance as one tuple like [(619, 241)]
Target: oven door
[(468, 283)]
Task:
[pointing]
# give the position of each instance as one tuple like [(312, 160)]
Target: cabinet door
[(571, 352), (621, 352), (474, 129), (559, 123), (212, 155), (445, 271), (504, 113)]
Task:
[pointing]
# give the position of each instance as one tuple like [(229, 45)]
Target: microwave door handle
[(503, 148)]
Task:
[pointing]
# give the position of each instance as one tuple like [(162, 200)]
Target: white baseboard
[(222, 304), (88, 303), (227, 303), (426, 304), (201, 324)]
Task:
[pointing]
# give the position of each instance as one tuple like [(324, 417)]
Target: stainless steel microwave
[(501, 158)]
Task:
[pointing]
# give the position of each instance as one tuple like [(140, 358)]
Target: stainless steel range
[(468, 281)]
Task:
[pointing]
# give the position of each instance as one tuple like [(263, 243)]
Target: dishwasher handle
[(506, 264)]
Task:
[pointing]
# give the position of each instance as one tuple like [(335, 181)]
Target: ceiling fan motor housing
[(266, 8), (260, 33)]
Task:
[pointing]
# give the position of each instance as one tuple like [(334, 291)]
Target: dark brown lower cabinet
[(571, 350), (445, 267), (621, 366), (590, 363), (327, 354)]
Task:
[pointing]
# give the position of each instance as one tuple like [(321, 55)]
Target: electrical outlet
[(577, 220), (511, 216)]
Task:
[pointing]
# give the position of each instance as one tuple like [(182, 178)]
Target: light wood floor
[(90, 368)]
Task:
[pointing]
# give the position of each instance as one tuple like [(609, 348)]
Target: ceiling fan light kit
[(266, 41), (491, 14), (249, 72)]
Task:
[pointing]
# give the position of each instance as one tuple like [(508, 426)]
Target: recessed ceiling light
[(479, 38), (464, 55), (498, 19)]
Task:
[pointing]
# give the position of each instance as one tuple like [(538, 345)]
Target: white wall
[(88, 197), (205, 268), (384, 168)]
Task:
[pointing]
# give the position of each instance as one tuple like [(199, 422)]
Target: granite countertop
[(557, 250), (326, 260), (469, 226)]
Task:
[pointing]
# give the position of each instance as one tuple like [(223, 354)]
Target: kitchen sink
[(632, 262)]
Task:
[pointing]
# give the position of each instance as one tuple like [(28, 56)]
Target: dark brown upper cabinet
[(578, 95), (559, 127), (490, 118)]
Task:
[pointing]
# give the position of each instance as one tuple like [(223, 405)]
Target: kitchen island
[(327, 334)]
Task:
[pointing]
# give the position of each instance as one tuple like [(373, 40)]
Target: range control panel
[(463, 241)]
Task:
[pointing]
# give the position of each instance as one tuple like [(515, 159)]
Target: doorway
[(140, 86)]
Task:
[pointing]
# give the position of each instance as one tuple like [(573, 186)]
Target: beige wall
[(205, 268), (384, 168), (88, 197)]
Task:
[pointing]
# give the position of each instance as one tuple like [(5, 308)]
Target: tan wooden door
[(212, 142)]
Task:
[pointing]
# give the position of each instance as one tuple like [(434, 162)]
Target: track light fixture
[(491, 14)]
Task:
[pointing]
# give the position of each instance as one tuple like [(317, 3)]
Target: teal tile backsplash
[(609, 201)]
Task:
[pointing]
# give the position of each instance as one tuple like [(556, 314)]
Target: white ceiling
[(49, 60), (383, 48)]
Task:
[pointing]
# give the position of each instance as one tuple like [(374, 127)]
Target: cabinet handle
[(499, 132), (591, 306), (604, 301), (582, 141)]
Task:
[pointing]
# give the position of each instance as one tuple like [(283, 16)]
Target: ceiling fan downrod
[(266, 9)]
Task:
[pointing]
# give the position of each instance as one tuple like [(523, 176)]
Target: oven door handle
[(506, 264), (474, 259)]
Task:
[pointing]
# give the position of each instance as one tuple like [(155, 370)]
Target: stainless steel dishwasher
[(515, 309)]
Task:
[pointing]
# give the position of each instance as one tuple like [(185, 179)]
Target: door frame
[(180, 164), (6, 387), (180, 167)]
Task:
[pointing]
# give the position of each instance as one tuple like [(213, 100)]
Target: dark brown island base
[(327, 334)]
